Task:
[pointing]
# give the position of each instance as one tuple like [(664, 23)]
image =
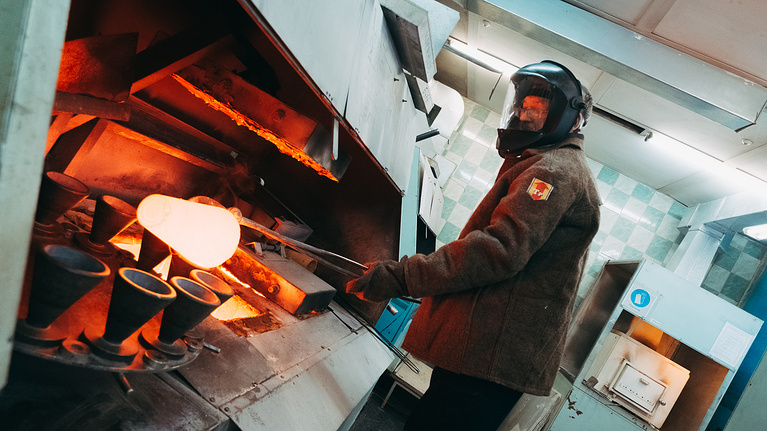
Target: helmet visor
[(527, 105)]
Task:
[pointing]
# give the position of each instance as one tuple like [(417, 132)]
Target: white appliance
[(637, 377)]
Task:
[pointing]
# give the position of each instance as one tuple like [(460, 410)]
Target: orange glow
[(274, 286), (283, 145), (135, 249), (233, 278), (235, 308), (536, 103), (203, 234)]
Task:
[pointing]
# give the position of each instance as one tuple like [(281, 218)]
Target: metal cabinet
[(641, 332)]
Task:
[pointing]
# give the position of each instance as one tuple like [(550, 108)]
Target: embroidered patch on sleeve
[(539, 190)]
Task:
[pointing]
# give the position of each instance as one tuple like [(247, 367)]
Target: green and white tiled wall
[(736, 267), (637, 222)]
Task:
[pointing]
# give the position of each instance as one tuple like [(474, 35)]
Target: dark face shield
[(527, 105), (525, 111), (541, 106)]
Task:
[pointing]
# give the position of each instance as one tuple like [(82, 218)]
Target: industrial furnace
[(177, 107)]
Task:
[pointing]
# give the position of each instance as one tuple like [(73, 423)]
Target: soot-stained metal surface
[(45, 395), (249, 326), (237, 368), (281, 280)]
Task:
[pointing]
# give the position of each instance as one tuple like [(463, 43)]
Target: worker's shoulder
[(566, 160)]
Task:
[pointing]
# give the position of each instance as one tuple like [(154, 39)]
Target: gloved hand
[(383, 280)]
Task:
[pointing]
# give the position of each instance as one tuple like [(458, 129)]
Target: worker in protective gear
[(497, 301)]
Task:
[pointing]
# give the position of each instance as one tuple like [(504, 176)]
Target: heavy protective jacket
[(498, 300)]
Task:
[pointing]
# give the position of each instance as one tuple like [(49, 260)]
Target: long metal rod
[(314, 251), (317, 253), (372, 329)]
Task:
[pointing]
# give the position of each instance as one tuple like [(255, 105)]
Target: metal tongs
[(319, 254)]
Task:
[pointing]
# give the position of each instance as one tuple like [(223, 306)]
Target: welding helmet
[(541, 107)]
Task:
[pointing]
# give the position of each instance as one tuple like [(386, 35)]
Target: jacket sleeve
[(383, 280), (518, 227)]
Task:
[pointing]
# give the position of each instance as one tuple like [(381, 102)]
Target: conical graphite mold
[(61, 276), (111, 216), (58, 194), (192, 305), (137, 296)]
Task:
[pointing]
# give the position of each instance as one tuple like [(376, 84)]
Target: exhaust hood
[(723, 97)]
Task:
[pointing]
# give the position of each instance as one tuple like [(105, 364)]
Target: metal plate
[(46, 395), (380, 107), (317, 393), (237, 368), (321, 35)]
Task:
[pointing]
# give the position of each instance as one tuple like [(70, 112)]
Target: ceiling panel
[(520, 50), (700, 187), (507, 44), (628, 153), (659, 114), (626, 10), (754, 162), (729, 31)]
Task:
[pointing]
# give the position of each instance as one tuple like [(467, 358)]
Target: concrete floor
[(392, 416)]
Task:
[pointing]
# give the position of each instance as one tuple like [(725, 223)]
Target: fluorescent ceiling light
[(692, 156), (479, 58), (758, 232), (681, 151)]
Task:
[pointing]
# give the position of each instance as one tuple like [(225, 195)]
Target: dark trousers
[(458, 402)]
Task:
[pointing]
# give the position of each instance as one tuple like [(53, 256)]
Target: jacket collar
[(572, 140)]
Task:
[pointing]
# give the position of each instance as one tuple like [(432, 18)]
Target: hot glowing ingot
[(204, 235), (280, 280)]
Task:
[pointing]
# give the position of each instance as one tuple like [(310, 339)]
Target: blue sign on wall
[(640, 298)]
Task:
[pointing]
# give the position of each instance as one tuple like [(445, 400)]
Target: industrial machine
[(637, 377), (649, 350), (180, 129)]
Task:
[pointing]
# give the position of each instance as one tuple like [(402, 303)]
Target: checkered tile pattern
[(637, 222), (735, 268)]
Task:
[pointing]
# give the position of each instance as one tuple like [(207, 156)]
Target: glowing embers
[(232, 279), (235, 308), (238, 313), (282, 144), (249, 326)]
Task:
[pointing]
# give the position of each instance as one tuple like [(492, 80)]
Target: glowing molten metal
[(204, 235), (282, 144)]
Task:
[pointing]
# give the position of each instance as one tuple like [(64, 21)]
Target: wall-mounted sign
[(640, 300), (731, 345)]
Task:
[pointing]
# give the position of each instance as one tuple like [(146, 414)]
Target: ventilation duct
[(693, 84), (626, 124)]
